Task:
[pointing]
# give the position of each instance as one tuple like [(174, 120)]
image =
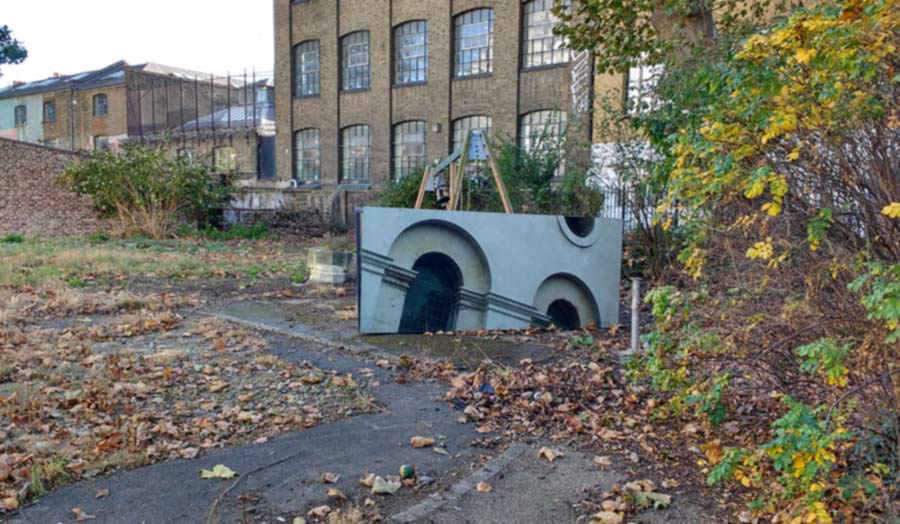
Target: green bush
[(148, 193), (238, 232), (13, 238)]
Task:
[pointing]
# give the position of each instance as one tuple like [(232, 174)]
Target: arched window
[(306, 68), (411, 53), (462, 126), (307, 155), (474, 43), (21, 115), (410, 150), (225, 159), (101, 106), (540, 47), (356, 150), (541, 129), (355, 62)]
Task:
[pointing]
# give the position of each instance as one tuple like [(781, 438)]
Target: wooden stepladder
[(475, 148)]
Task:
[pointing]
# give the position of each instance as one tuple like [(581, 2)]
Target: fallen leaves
[(606, 517), (382, 486), (483, 487), (421, 442), (329, 478), (549, 454), (102, 493), (219, 471), (81, 516), (602, 461)]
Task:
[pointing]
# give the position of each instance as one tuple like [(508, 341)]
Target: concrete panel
[(498, 271)]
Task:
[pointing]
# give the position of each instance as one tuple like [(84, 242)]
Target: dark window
[(474, 43), (356, 148), (355, 61), (49, 112), (410, 151), (225, 159), (101, 143), (411, 53), (540, 47), (101, 107), (307, 159), (462, 126), (21, 115), (306, 68)]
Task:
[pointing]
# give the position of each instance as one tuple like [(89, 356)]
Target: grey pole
[(635, 314)]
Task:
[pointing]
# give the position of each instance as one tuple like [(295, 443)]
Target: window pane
[(307, 165), (306, 68), (355, 154), (410, 150), (540, 46), (474, 43), (462, 126), (411, 53), (100, 106), (543, 131), (355, 61), (225, 159), (21, 115)]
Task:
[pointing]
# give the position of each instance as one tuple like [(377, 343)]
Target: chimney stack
[(55, 75), (18, 83)]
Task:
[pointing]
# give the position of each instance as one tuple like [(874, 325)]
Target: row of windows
[(473, 50), (409, 144), (100, 108)]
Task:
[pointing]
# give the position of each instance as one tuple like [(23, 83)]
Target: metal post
[(635, 314), (228, 98)]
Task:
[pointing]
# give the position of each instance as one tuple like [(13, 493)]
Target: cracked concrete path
[(284, 473)]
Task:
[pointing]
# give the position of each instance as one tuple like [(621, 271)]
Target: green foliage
[(403, 192), (238, 232), (148, 193), (13, 238), (827, 358), (11, 50), (532, 179), (881, 282)]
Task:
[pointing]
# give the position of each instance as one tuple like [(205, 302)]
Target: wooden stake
[(420, 198), (452, 186), (501, 187)]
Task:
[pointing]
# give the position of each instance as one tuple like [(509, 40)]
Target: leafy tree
[(11, 50)]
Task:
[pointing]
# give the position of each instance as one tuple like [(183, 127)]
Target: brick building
[(371, 89)]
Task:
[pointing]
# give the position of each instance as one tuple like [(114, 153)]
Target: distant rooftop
[(260, 116), (114, 74)]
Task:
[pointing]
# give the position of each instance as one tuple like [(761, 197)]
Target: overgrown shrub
[(147, 193), (784, 177)]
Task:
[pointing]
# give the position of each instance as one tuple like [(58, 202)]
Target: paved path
[(285, 472)]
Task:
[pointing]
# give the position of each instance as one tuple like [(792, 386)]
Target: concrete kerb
[(461, 488)]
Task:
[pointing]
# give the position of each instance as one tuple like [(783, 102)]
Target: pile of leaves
[(140, 387)]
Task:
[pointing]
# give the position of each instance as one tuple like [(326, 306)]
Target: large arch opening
[(564, 315), (430, 303)]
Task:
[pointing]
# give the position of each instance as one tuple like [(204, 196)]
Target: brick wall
[(31, 203)]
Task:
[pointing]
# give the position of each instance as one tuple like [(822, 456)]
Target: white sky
[(70, 36)]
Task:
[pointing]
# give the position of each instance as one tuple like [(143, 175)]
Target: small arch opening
[(564, 315), (431, 299), (581, 226)]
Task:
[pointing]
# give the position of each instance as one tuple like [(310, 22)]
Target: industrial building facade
[(368, 90)]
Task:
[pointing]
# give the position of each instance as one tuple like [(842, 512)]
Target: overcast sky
[(67, 36)]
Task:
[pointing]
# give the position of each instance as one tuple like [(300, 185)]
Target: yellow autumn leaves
[(892, 210)]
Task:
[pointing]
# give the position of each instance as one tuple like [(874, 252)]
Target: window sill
[(473, 77), (361, 185), (560, 65), (307, 185), (352, 91), (410, 84), (303, 97)]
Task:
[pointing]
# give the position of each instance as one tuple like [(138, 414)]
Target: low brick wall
[(31, 202)]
